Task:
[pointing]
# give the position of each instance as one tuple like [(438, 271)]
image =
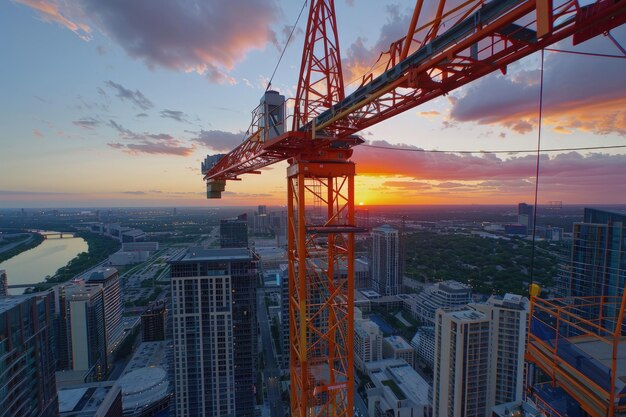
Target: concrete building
[(385, 260), (447, 295), (525, 214), (86, 333), (215, 332), (109, 280), (461, 374), (140, 246), (4, 283), (153, 323), (368, 343), (424, 344), (234, 232), (398, 390), (507, 343), (395, 347), (99, 399), (27, 382)]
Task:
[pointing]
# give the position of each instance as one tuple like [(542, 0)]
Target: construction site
[(576, 345)]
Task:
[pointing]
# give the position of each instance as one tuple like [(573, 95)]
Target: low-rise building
[(395, 347), (99, 399), (398, 390)]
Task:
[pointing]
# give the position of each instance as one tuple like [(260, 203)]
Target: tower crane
[(480, 37)]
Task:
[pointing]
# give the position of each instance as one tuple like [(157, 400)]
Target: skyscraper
[(27, 383), (461, 364), (234, 232), (86, 330), (598, 266), (385, 262), (525, 215), (109, 280), (215, 332)]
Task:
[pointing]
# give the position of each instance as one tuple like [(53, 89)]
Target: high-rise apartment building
[(234, 232), (507, 341), (214, 332), (27, 364), (460, 383), (385, 260), (109, 280), (4, 283), (85, 327)]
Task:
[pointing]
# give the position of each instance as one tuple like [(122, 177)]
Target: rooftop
[(8, 302), (101, 274), (224, 254), (148, 354), (84, 400), (397, 342), (467, 315), (412, 385)]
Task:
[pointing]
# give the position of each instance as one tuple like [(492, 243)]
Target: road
[(271, 373)]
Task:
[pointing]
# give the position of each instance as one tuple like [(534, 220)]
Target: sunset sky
[(115, 103)]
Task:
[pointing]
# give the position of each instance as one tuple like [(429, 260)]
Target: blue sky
[(116, 103)]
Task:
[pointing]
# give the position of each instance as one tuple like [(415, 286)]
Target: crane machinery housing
[(481, 37)]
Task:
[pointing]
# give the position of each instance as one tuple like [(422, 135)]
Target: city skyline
[(100, 116)]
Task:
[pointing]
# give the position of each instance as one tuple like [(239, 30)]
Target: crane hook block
[(214, 188)]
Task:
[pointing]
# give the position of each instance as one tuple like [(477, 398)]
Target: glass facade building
[(215, 332), (27, 363)]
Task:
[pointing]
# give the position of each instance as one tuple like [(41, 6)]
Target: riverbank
[(99, 249), (12, 249)]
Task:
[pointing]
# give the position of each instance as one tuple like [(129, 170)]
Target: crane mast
[(481, 37)]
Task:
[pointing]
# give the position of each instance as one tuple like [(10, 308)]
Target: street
[(271, 373)]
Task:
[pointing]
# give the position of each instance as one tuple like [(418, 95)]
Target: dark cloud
[(219, 140), (596, 168), (87, 123), (135, 97), (101, 50), (142, 115), (177, 115), (150, 143), (572, 100), (208, 36), (133, 192)]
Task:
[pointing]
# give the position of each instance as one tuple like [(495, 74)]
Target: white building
[(385, 262), (395, 347), (447, 295), (460, 383), (368, 343), (86, 340), (424, 344), (398, 390), (509, 315)]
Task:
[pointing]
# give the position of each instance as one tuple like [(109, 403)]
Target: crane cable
[(280, 58), (534, 232)]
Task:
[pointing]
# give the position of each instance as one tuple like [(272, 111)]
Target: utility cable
[(280, 58), (566, 51), (534, 233), (585, 148)]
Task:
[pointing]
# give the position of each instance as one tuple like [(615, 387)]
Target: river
[(33, 265)]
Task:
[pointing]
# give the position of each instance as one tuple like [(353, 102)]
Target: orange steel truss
[(580, 345), (321, 266)]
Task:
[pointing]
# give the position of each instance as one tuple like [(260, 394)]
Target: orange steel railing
[(556, 330)]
